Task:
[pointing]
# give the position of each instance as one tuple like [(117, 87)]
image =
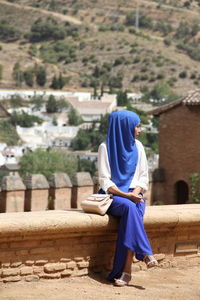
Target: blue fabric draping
[(131, 233), (121, 147)]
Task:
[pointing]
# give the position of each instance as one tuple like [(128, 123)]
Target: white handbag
[(97, 203)]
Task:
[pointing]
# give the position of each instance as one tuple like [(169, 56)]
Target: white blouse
[(140, 177)]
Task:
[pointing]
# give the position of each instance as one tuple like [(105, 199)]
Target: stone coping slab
[(68, 221)]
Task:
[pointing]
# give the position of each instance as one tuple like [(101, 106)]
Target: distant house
[(179, 149), (92, 110)]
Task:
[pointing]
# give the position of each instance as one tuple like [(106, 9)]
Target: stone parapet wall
[(36, 193), (56, 244)]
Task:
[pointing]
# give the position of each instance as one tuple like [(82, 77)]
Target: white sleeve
[(104, 168), (141, 177)]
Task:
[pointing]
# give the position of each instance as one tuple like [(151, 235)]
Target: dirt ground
[(154, 284)]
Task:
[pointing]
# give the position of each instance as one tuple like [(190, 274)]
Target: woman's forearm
[(134, 196)]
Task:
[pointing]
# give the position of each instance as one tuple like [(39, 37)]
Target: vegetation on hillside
[(8, 133), (112, 49)]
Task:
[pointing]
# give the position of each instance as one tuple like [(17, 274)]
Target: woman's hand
[(135, 197)]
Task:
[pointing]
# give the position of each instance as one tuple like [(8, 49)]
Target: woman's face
[(137, 130)]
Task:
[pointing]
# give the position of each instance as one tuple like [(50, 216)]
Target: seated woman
[(123, 172)]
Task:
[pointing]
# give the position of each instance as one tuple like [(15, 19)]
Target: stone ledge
[(57, 221)]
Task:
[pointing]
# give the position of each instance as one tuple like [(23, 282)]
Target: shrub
[(8, 32), (183, 74), (29, 75), (57, 52), (137, 59), (24, 119), (47, 30)]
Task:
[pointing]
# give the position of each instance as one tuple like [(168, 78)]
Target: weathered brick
[(26, 270), (29, 262), (12, 279), (65, 259), (41, 262), (16, 264), (38, 269), (66, 273), (54, 267), (82, 272), (5, 265), (30, 278), (70, 265), (10, 272), (83, 264), (78, 258)]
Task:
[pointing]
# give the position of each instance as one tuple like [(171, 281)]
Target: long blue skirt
[(131, 234)]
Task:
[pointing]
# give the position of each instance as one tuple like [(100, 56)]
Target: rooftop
[(192, 98)]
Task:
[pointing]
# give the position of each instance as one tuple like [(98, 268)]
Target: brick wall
[(179, 140), (56, 244)]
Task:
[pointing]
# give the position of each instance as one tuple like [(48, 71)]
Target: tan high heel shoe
[(121, 281)]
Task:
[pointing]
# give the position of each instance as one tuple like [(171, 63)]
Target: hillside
[(94, 44)]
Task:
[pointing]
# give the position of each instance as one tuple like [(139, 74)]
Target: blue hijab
[(121, 147)]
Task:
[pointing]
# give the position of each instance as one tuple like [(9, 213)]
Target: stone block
[(12, 201), (12, 279), (82, 179), (26, 270), (29, 262), (60, 180), (31, 278), (10, 272), (41, 262), (83, 264), (54, 267), (36, 182), (16, 264), (38, 269), (36, 200), (66, 273), (60, 198), (70, 265), (12, 183)]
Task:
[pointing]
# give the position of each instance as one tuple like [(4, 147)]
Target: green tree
[(162, 90), (29, 77), (16, 101), (195, 187), (17, 74), (8, 133), (62, 104), (86, 165), (24, 120), (122, 98), (74, 118), (8, 32), (37, 102), (47, 163), (51, 106), (41, 75)]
